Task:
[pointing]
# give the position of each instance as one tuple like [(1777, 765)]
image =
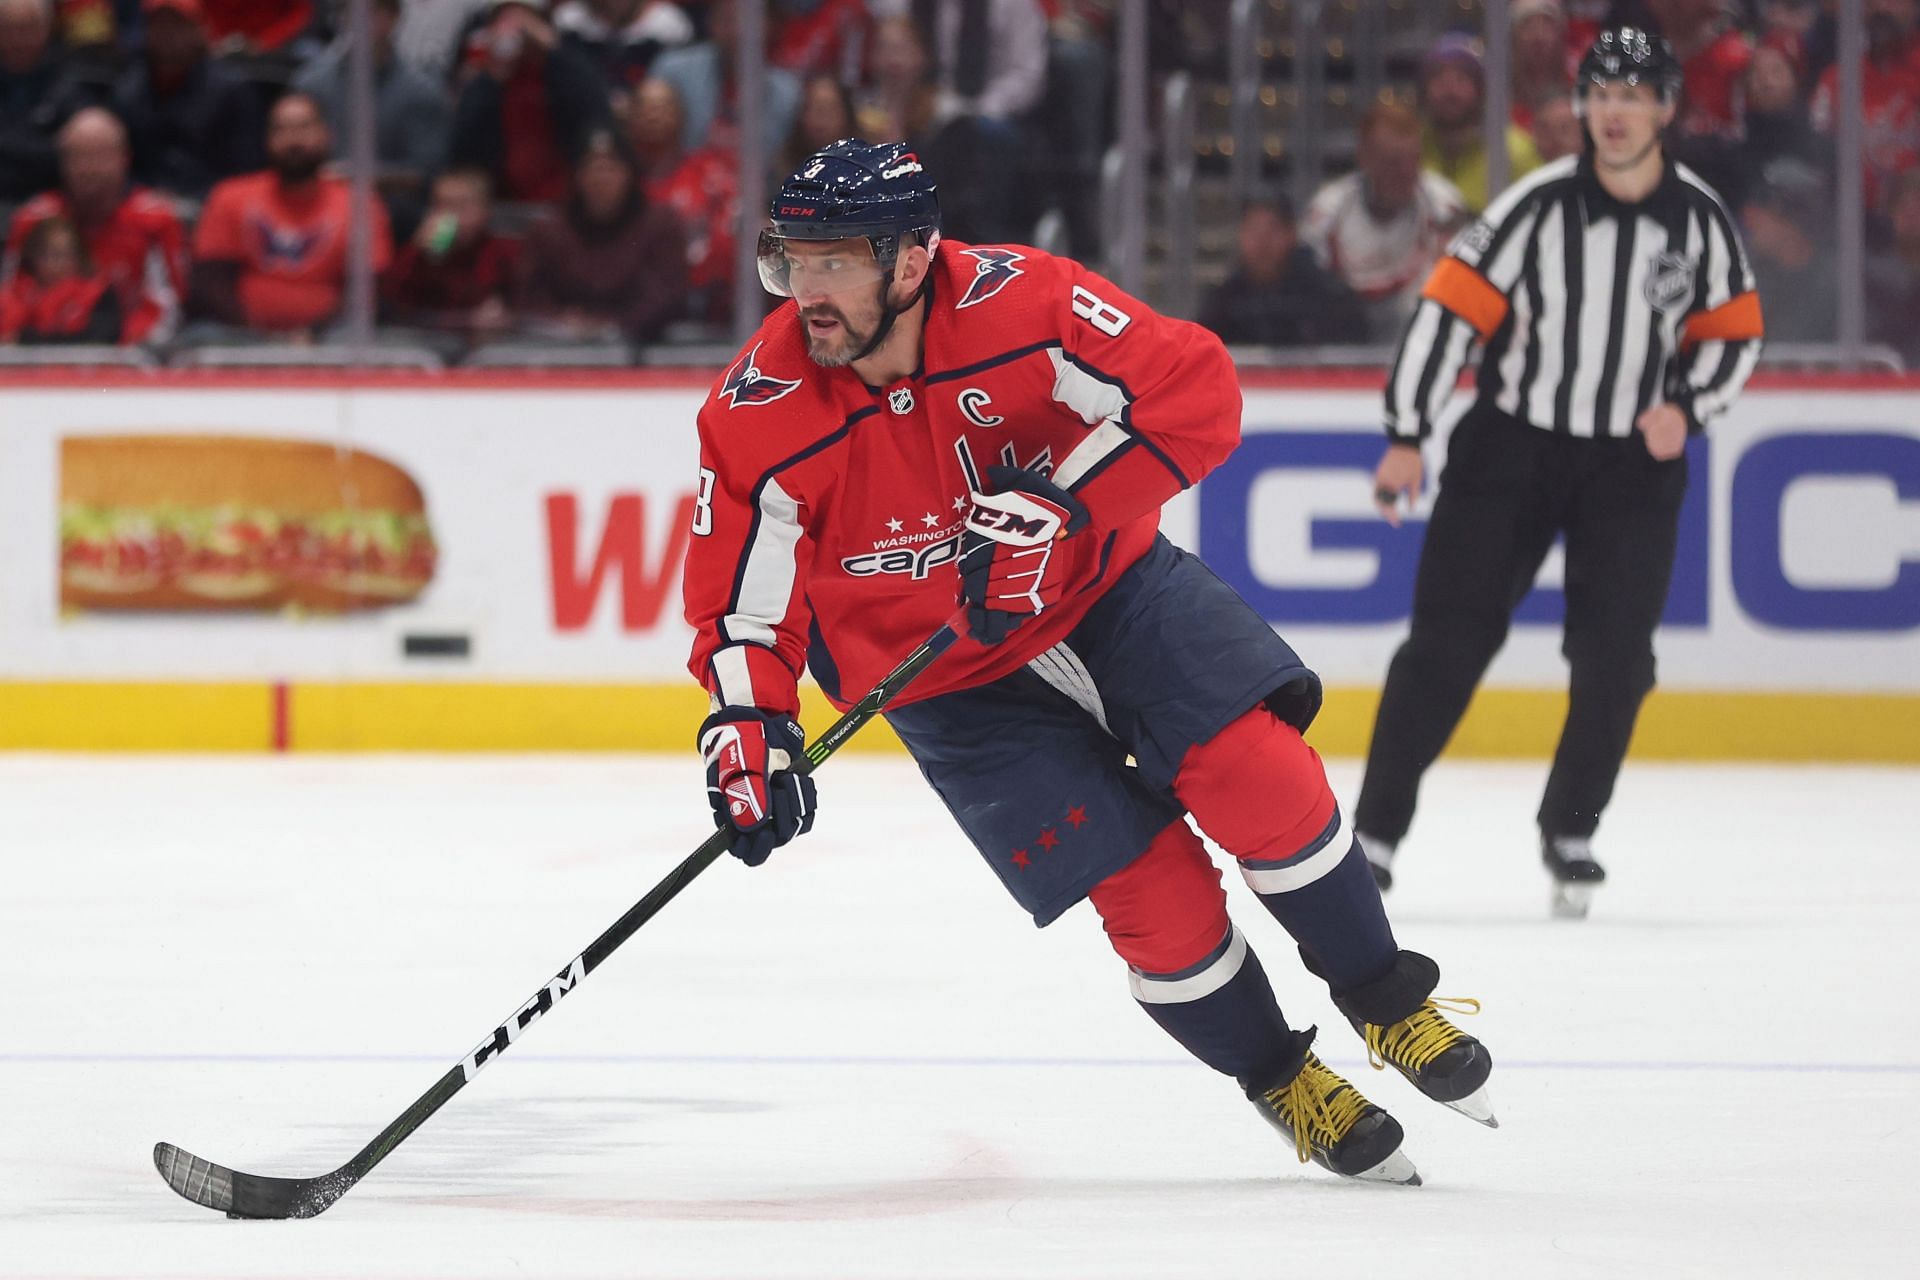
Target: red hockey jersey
[(828, 519), (142, 248)]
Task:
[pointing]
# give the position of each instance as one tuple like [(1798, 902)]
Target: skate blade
[(1476, 1106), (1571, 901), (1396, 1170)]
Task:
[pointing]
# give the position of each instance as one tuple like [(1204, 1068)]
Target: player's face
[(1625, 120), (833, 282)]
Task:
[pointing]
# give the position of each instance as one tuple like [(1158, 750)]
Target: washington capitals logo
[(745, 383), (284, 248), (993, 270)]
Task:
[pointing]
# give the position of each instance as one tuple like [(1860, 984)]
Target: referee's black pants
[(1508, 490)]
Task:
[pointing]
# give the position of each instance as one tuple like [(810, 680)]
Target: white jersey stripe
[(733, 678), (766, 585)]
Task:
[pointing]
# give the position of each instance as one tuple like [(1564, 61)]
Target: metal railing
[(1123, 176), (1179, 287), (1243, 76)]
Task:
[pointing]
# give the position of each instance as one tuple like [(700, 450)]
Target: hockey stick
[(248, 1195)]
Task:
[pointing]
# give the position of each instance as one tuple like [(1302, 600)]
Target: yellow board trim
[(241, 716), (88, 716)]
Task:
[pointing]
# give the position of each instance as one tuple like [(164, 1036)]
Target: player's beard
[(839, 351)]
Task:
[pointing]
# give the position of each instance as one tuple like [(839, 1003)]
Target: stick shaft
[(629, 923)]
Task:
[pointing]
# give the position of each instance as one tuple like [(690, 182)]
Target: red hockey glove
[(1008, 567), (750, 782)]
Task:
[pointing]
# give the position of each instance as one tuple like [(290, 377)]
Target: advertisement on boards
[(365, 533)]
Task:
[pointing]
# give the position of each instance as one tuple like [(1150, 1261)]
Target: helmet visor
[(816, 268)]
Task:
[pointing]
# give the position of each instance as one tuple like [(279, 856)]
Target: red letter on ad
[(622, 548)]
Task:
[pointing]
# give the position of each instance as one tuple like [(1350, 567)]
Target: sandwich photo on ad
[(203, 522)]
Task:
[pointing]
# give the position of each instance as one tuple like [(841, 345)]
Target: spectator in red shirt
[(270, 251), (256, 26), (132, 236), (453, 275), (1713, 55), (1890, 96), (825, 36), (528, 104), (612, 262), (57, 295), (193, 120), (701, 187)]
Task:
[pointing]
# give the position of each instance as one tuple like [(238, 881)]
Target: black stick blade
[(247, 1195)]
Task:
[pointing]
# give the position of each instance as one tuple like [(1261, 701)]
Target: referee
[(1618, 316)]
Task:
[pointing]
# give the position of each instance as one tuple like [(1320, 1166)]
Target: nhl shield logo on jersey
[(993, 271), (745, 383), (900, 400), (1669, 280)]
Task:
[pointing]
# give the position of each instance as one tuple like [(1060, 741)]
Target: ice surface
[(862, 1061)]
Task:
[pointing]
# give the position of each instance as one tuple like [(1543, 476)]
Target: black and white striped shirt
[(1591, 310)]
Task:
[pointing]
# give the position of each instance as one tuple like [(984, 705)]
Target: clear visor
[(814, 268)]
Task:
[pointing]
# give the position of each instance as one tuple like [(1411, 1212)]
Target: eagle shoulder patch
[(746, 385)]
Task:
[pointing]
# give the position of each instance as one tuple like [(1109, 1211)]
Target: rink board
[(561, 504)]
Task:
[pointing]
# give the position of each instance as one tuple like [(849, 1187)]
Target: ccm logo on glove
[(1008, 572)]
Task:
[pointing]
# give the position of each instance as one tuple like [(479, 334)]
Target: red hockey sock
[(1164, 911), (1257, 788)]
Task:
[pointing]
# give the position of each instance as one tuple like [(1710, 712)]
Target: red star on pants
[(1047, 839), (1076, 816), (1021, 860)]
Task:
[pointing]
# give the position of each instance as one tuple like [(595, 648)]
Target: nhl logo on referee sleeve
[(1669, 280)]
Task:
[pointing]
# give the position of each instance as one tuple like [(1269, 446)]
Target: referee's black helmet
[(1629, 55)]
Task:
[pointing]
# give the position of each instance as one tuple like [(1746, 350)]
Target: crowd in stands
[(172, 170), (1755, 119), (568, 169)]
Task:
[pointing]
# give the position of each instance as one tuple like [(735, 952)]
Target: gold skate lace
[(1318, 1106), (1419, 1038)]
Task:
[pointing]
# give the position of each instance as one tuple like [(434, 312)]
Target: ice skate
[(1379, 859), (1331, 1124), (1436, 1057), (1576, 875)]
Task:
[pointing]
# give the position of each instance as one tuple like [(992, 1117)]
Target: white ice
[(862, 1061)]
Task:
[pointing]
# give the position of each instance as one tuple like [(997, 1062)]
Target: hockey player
[(1619, 317), (931, 423)]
